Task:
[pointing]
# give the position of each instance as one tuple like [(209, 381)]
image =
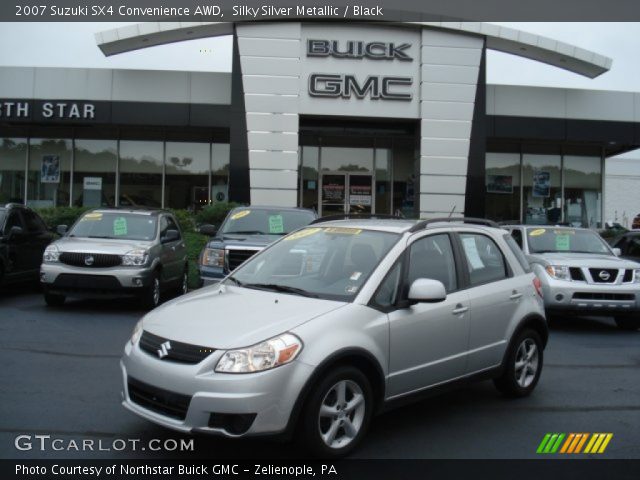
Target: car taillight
[(537, 284)]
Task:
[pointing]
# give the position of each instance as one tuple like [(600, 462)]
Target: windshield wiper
[(236, 281), (280, 288), (98, 236), (245, 232)]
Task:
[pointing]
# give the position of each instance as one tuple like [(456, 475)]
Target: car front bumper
[(591, 299), (267, 398), (210, 275), (59, 278)]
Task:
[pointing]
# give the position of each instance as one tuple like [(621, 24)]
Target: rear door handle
[(459, 309), (515, 295)]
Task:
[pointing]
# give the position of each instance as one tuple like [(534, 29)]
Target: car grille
[(628, 276), (237, 257), (175, 351), (576, 274), (73, 281), (604, 296), (595, 275), (100, 260), (168, 403)]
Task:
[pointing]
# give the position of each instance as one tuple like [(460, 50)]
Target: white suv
[(335, 322)]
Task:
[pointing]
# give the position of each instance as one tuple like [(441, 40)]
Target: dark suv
[(244, 232), (23, 238)]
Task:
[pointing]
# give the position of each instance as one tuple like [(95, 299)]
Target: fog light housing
[(137, 281), (233, 423), (559, 297)]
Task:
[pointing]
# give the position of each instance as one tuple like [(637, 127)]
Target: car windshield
[(323, 262), (266, 221), (116, 225), (560, 240)]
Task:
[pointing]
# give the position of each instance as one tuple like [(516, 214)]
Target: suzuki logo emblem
[(88, 260), (163, 351), (604, 275)]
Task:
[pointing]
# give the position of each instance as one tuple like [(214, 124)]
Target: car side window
[(484, 259), (516, 233), (432, 257), (386, 295), (171, 225), (633, 247), (13, 220), (33, 222)]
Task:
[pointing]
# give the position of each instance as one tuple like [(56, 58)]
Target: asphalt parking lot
[(60, 376)]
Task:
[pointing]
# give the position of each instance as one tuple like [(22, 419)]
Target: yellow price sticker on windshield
[(343, 231), (91, 216), (537, 232), (241, 214), (303, 233)]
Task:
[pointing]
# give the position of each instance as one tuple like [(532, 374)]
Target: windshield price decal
[(241, 214), (276, 224), (120, 226), (303, 233), (537, 232)]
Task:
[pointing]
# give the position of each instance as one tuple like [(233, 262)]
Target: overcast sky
[(73, 45)]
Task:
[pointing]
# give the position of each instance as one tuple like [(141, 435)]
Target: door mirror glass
[(15, 231), (61, 229), (616, 251), (171, 236), (427, 290), (208, 229)]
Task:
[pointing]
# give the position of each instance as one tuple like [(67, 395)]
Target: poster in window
[(541, 184), (500, 184), (50, 169)]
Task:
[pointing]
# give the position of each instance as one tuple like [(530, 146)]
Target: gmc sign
[(343, 86)]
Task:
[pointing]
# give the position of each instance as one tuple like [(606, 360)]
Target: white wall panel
[(270, 160), (273, 141), (272, 122), (280, 198), (273, 178), (446, 128), (443, 184)]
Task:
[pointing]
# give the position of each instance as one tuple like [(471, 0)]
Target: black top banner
[(310, 10)]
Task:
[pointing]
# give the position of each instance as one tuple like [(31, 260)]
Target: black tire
[(514, 382), (628, 323), (151, 295), (325, 392), (53, 300)]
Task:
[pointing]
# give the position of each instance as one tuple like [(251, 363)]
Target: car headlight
[(213, 257), (135, 258), (636, 275), (51, 254), (263, 356), (559, 272), (137, 332)]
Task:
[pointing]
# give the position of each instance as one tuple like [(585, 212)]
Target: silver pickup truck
[(581, 274)]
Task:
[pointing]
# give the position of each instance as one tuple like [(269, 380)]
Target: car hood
[(99, 245), (224, 316), (589, 260), (243, 240)]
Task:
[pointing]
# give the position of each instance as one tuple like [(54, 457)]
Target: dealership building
[(339, 117)]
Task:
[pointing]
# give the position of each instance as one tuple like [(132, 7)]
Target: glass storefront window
[(13, 163), (220, 172), (541, 189), (502, 186), (186, 175), (383, 180), (309, 176), (582, 191), (94, 175), (140, 173), (49, 172), (347, 159), (405, 184)]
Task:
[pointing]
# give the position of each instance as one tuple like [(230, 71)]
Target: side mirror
[(208, 229), (427, 290), (61, 229), (616, 251), (15, 231), (170, 236)]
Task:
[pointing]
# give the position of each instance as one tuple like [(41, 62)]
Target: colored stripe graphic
[(574, 443)]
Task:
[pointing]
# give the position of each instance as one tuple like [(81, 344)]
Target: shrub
[(54, 216), (185, 219), (215, 214)]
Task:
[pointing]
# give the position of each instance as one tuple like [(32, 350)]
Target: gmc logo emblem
[(344, 86), (358, 49)]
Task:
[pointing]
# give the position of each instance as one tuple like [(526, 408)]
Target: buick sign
[(358, 50)]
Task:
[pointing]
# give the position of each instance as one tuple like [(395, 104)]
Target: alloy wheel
[(341, 414), (156, 291), (527, 362)]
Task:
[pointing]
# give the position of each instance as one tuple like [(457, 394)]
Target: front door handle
[(459, 310), (515, 295)]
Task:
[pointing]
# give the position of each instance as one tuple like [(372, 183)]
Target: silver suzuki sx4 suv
[(336, 322)]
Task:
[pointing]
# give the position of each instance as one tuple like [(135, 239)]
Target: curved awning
[(503, 39)]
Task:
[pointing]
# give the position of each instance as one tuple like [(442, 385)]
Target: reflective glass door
[(346, 193)]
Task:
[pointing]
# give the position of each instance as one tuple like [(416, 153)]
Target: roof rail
[(509, 222), (358, 216), (14, 205), (476, 221)]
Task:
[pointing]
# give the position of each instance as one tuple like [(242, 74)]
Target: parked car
[(629, 245), (336, 322), (581, 273), (244, 232), (116, 252), (23, 238)]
